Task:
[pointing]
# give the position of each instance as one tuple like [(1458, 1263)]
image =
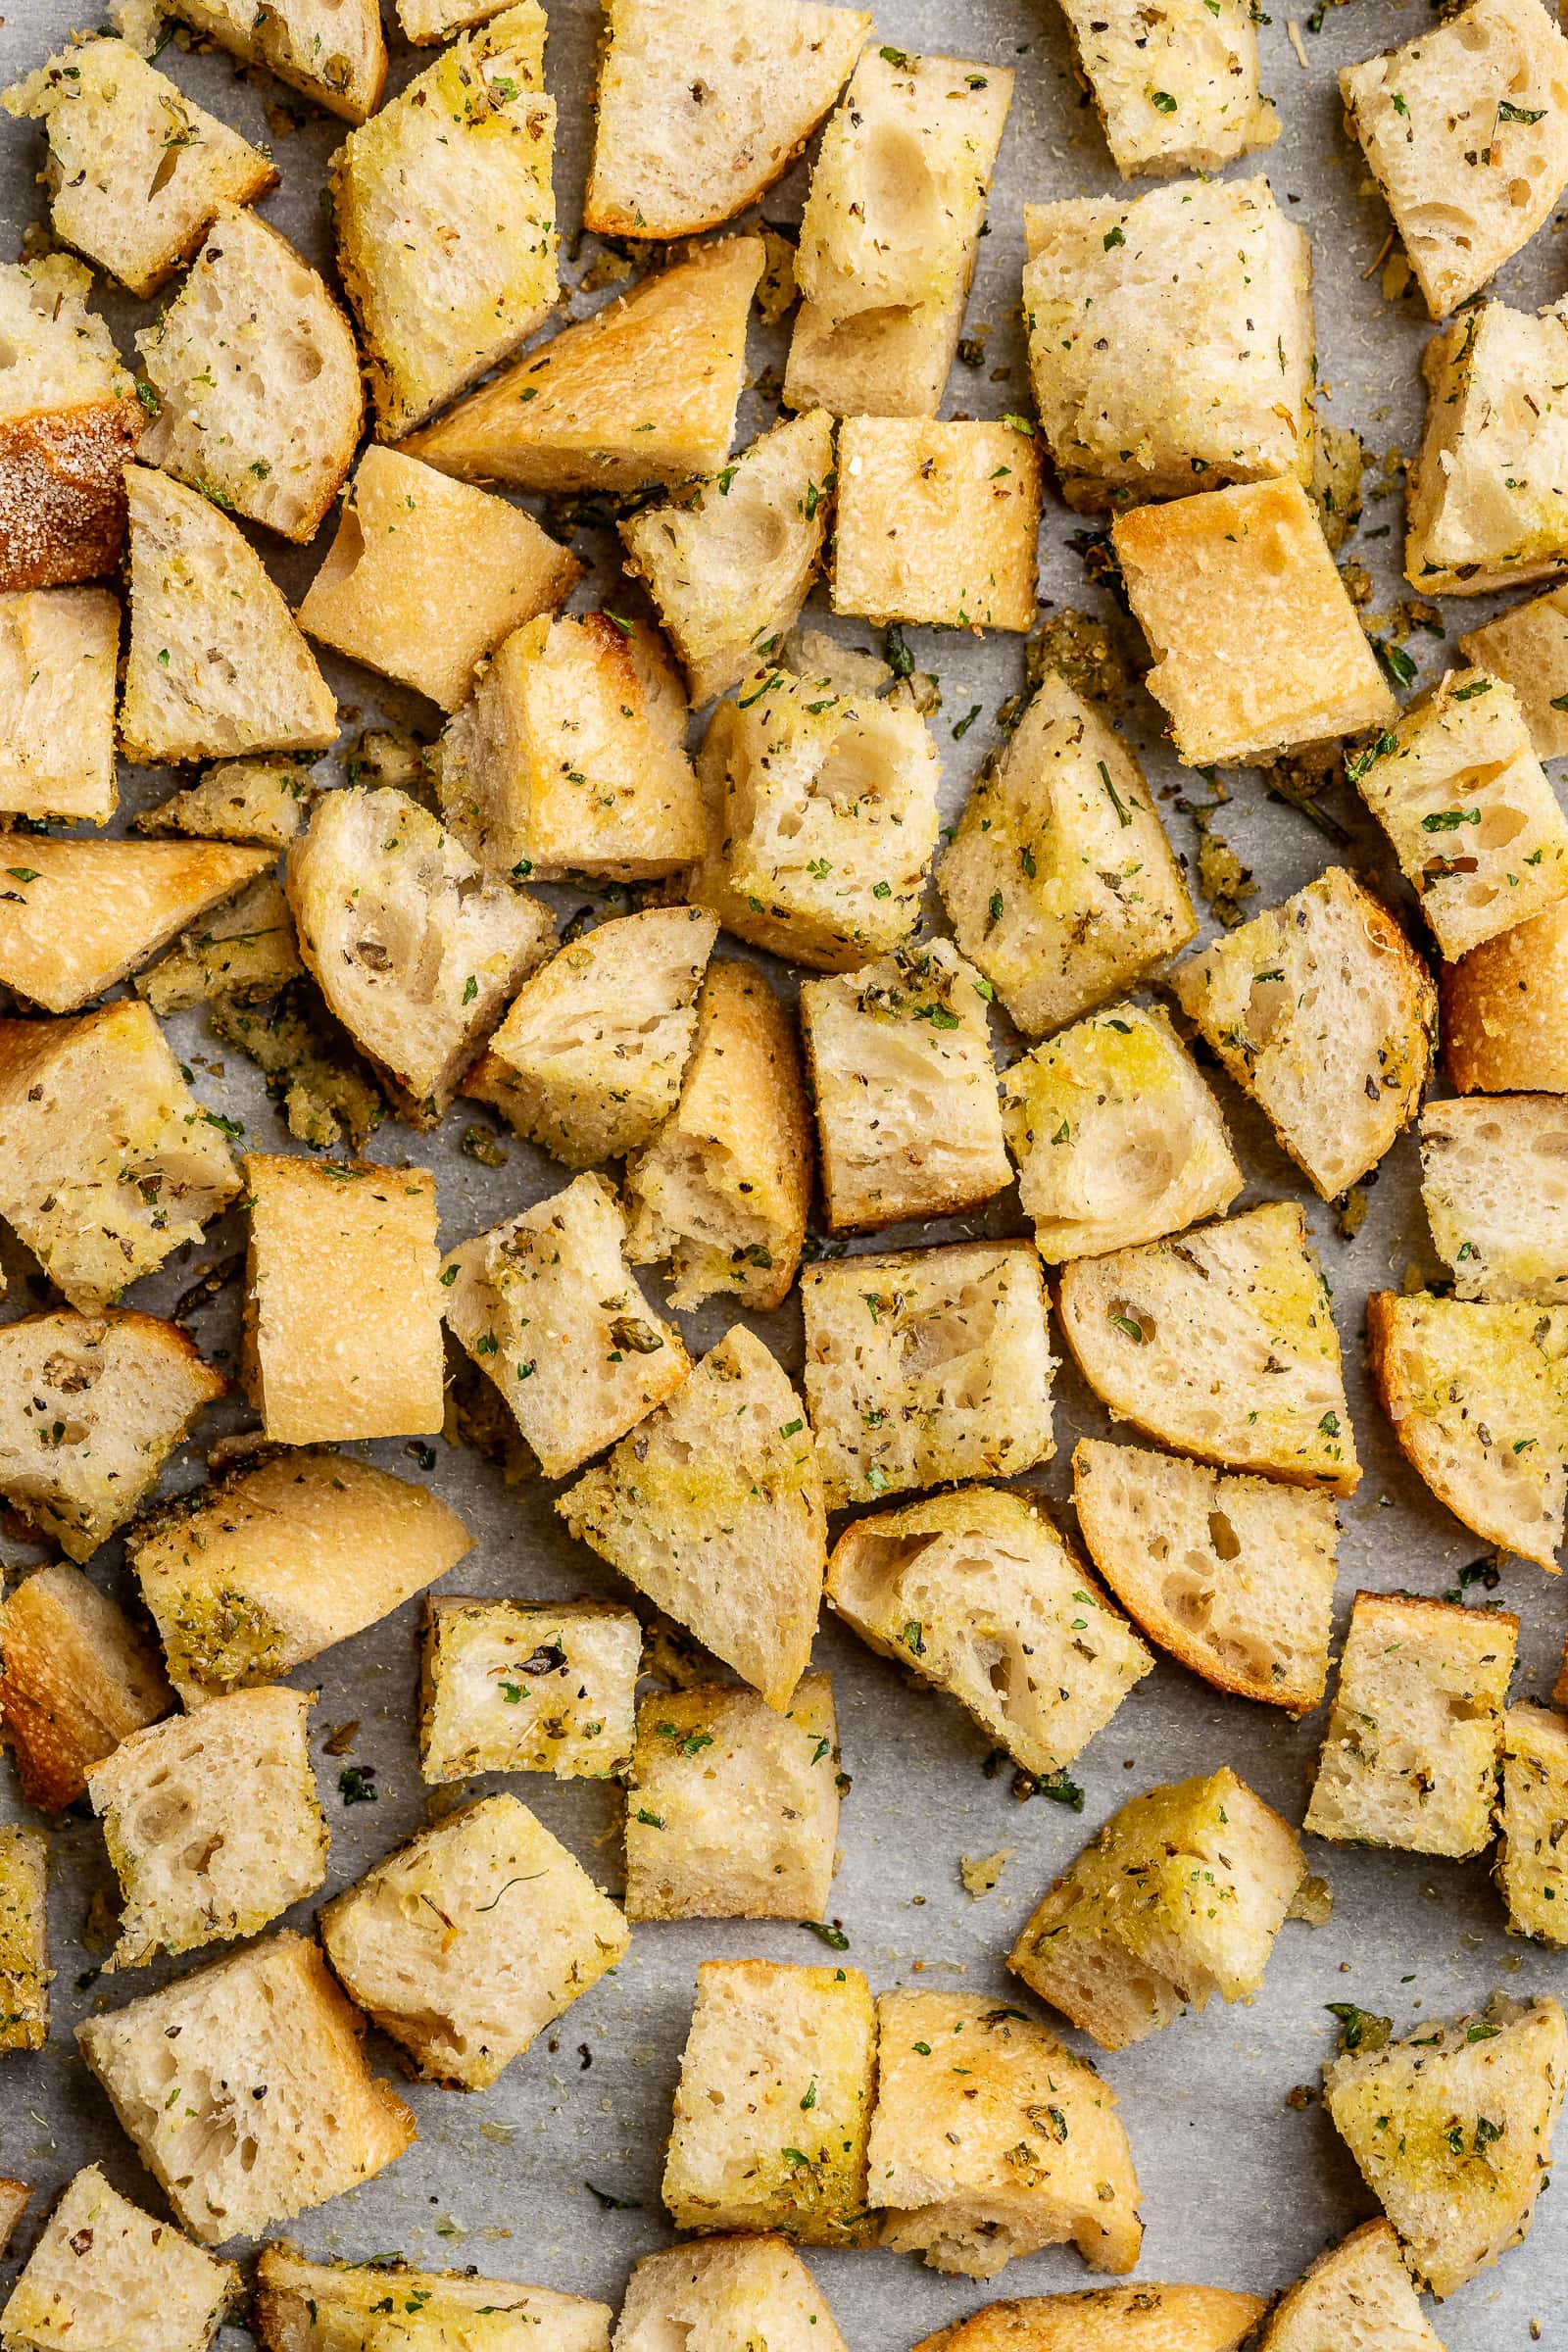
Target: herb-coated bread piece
[(58, 650), (334, 54), (1144, 2317), (1502, 1024), (242, 954), (212, 1823), (1477, 1395), (644, 391), (77, 1678), (266, 800), (1233, 1574), (247, 1579), (105, 2277), (304, 2306), (936, 523), (1061, 883), (733, 1806), (743, 2293), (1221, 1344), (527, 1685), (712, 1507), (184, 2067), (1495, 1181), (990, 2139), (1178, 1897), (1484, 508), (1531, 1872), (452, 1959), (750, 2148), (1452, 2130), (82, 914), (1357, 2298), (1322, 1010), (15, 2197), (1179, 95), (891, 362), (1527, 647), (24, 1970), (69, 421), (698, 110), (976, 1592), (1410, 1754)]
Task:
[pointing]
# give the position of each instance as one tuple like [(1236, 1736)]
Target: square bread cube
[(1483, 87), (1484, 508), (926, 1366), (1495, 1181), (77, 1678), (712, 1507), (820, 819), (1502, 1025), (1117, 1138), (721, 2294), (990, 2140), (1256, 645), (1171, 343), (1061, 883), (1323, 1012), (898, 1055), (936, 523), (24, 1970), (249, 1577), (977, 1592), (105, 2277), (1458, 789), (1178, 1896), (746, 2149), (212, 1823), (571, 756), (426, 576), (343, 1310), (451, 1961), (69, 421), (1410, 1754), (892, 363), (58, 650), (304, 2306), (1527, 648), (548, 1307), (733, 1807), (1531, 1870), (527, 1685), (1176, 94), (245, 2092)]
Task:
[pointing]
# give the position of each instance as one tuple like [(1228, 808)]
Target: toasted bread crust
[(63, 492)]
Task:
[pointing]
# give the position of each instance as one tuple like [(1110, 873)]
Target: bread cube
[(82, 914), (1140, 2318), (643, 391), (304, 2306), (1117, 1139), (821, 817), (135, 170), (723, 1189), (1323, 1012), (728, 565), (110, 1161), (697, 114), (1410, 1754), (977, 1594), (892, 362), (1483, 87), (548, 1307), (1478, 1396), (245, 2091), (746, 2149), (723, 2293), (1257, 646), (992, 2140), (457, 1967), (1170, 340), (936, 523), (1531, 1873), (1452, 2131), (1221, 1345), (1178, 1896), (69, 421), (1179, 94), (250, 1576), (1233, 1574), (265, 800), (1527, 648), (255, 380), (527, 1685), (1483, 507), (1475, 824), (712, 1507), (571, 756), (58, 650), (77, 1678), (414, 948), (106, 2278), (426, 576), (733, 1807), (1502, 1027), (1061, 883), (1358, 2288), (926, 1366), (24, 1970), (444, 218), (242, 955), (1496, 1196), (898, 1055)]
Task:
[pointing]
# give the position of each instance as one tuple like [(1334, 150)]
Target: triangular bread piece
[(644, 391), (331, 49), (77, 916), (217, 665), (1358, 2293), (702, 104), (1145, 2317)]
